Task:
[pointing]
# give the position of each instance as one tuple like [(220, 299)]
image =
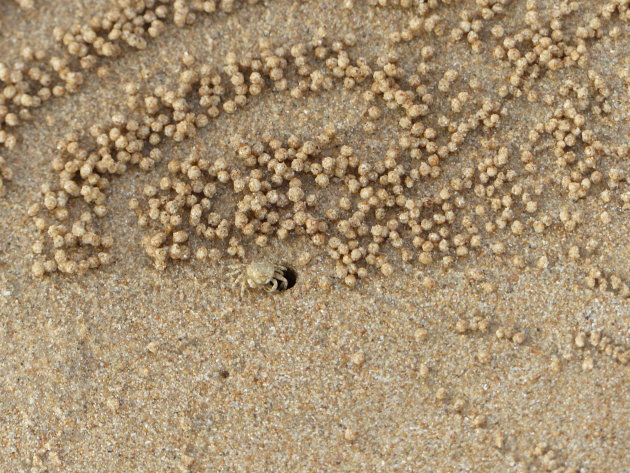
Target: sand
[(128, 368)]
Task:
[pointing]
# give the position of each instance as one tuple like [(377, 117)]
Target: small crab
[(260, 275)]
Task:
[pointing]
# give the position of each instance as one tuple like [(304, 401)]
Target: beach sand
[(509, 358)]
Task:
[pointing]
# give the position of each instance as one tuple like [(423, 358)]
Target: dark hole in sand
[(291, 277)]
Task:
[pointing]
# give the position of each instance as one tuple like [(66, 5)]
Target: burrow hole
[(291, 277)]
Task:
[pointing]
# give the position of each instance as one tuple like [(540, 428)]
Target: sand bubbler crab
[(263, 275)]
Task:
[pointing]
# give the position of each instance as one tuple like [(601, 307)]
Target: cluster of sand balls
[(577, 148), (76, 247), (133, 23), (278, 185), (29, 83), (42, 75), (271, 201), (128, 22), (544, 458), (596, 278), (396, 202), (86, 165), (603, 344), (5, 175)]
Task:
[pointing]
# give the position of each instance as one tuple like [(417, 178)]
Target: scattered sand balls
[(546, 459), (383, 214), (509, 333), (603, 344), (104, 36), (477, 323), (126, 138), (597, 278)]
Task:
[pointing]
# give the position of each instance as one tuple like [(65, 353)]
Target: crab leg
[(273, 287), (283, 281)]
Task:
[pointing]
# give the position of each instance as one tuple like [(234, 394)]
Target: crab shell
[(264, 275)]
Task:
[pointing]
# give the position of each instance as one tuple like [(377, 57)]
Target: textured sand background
[(127, 368)]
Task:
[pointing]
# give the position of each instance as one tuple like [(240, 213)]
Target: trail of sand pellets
[(489, 136), (380, 202)]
